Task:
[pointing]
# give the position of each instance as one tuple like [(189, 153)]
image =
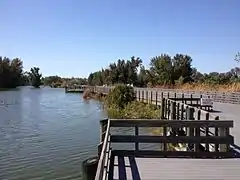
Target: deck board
[(174, 168)]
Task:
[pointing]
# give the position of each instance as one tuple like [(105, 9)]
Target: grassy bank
[(134, 110), (121, 104)]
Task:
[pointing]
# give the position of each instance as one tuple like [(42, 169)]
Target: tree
[(182, 67), (237, 57), (161, 69), (35, 77), (10, 72)]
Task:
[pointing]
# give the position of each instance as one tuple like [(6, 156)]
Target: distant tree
[(237, 57), (10, 72), (35, 77), (161, 69), (182, 67)]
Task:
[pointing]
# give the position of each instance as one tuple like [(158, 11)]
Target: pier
[(75, 89), (194, 141)]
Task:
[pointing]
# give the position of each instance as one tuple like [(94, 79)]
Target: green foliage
[(35, 77), (135, 110), (120, 96), (237, 57), (122, 72), (11, 72), (163, 70)]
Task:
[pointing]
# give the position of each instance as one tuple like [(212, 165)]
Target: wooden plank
[(182, 169), (167, 123), (171, 139), (173, 154)]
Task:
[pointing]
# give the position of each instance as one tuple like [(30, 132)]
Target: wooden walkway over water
[(163, 162), (194, 141)]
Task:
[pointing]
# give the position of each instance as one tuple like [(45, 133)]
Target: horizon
[(75, 38)]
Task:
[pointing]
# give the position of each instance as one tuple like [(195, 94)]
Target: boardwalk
[(208, 140), (230, 112), (132, 168)]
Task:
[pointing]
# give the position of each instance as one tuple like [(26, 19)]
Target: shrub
[(120, 96), (87, 93)]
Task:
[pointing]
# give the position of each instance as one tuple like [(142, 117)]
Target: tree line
[(12, 74), (56, 81), (163, 70)]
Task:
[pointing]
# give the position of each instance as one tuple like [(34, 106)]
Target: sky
[(76, 37)]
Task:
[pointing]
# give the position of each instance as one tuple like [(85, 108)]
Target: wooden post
[(224, 147), (142, 96), (89, 168), (182, 112), (197, 132), (173, 115), (207, 132), (163, 109), (216, 134), (151, 97), (173, 110), (146, 96), (139, 95), (190, 130), (178, 111), (182, 98), (103, 128), (136, 134), (200, 101), (156, 98), (191, 99), (168, 108)]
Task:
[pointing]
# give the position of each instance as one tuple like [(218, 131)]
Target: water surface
[(46, 133)]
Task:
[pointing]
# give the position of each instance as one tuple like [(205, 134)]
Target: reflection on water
[(45, 133)]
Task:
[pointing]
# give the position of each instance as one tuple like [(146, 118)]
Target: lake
[(46, 133)]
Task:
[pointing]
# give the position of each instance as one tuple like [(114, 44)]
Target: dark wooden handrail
[(170, 123), (103, 163)]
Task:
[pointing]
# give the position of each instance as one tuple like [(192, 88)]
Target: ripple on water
[(47, 134)]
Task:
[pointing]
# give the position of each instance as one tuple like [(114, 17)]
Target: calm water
[(46, 134)]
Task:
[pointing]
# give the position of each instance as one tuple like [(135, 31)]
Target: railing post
[(173, 115), (207, 132), (147, 96), (163, 108), (216, 134), (139, 95), (190, 130), (156, 98), (224, 147), (151, 97), (136, 143), (103, 128), (197, 132)]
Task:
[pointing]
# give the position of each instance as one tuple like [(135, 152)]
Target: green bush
[(134, 110), (120, 96)]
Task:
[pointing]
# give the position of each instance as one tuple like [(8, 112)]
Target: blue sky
[(76, 37)]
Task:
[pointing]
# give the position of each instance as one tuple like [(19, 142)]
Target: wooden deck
[(206, 136), (135, 168), (164, 163)]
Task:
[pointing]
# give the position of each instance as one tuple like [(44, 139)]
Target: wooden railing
[(193, 138), (104, 151), (233, 98)]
